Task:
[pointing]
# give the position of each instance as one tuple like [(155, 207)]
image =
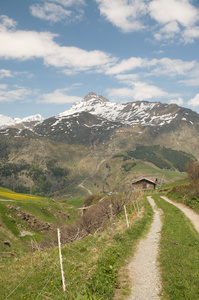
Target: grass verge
[(179, 255), (184, 194)]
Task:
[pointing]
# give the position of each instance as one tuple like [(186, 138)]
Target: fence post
[(60, 257), (132, 211), (135, 208), (111, 219), (127, 222)]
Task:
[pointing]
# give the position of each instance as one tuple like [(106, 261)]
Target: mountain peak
[(33, 118), (93, 96), (27, 121)]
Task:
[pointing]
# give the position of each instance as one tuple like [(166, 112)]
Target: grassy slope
[(43, 209), (184, 194), (90, 265), (115, 176), (179, 255)]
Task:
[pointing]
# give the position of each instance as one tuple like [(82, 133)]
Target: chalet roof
[(149, 179)]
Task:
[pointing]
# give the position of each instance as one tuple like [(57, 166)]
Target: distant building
[(145, 183)]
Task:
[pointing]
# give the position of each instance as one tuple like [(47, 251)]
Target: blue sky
[(54, 52)]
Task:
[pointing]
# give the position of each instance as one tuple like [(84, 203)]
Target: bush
[(128, 166)]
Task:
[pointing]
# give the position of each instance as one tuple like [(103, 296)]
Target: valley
[(88, 146)]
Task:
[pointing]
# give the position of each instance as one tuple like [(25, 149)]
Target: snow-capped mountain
[(128, 114), (95, 119), (26, 122)]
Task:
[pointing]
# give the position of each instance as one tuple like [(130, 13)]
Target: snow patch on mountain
[(6, 121), (34, 118), (9, 121)]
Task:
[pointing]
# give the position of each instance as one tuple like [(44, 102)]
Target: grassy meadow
[(91, 265), (95, 266)]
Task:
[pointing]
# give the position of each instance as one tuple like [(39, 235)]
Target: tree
[(192, 170)]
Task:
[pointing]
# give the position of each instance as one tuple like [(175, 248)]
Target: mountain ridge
[(29, 121), (128, 114)]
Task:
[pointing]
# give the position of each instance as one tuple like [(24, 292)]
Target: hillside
[(72, 153), (28, 222)]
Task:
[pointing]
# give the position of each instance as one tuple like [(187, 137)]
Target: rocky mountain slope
[(76, 148)]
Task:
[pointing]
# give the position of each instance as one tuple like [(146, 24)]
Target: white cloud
[(13, 94), (166, 11), (178, 101), (169, 31), (50, 12), (140, 91), (24, 45), (6, 23), (5, 73), (178, 18), (124, 14), (59, 96), (190, 34), (69, 2), (155, 67), (126, 65), (3, 86), (194, 101), (173, 67), (55, 10), (193, 81), (127, 78)]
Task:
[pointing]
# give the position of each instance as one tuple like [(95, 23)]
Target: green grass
[(179, 255), (42, 209), (91, 265), (183, 193), (75, 202), (173, 184), (152, 171)]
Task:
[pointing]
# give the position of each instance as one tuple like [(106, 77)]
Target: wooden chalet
[(145, 183)]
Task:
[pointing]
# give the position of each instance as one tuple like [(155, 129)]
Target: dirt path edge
[(144, 268)]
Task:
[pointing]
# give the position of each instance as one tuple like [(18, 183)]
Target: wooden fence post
[(132, 211), (60, 257), (127, 222), (135, 208), (111, 219)]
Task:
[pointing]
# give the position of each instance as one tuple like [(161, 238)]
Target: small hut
[(145, 184)]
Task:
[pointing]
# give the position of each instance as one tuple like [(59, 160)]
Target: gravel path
[(146, 284), (189, 213)]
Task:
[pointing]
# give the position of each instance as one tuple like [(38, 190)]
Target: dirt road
[(144, 271)]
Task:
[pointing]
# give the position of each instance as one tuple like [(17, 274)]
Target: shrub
[(128, 166)]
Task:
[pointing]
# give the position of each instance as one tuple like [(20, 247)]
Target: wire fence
[(72, 259)]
